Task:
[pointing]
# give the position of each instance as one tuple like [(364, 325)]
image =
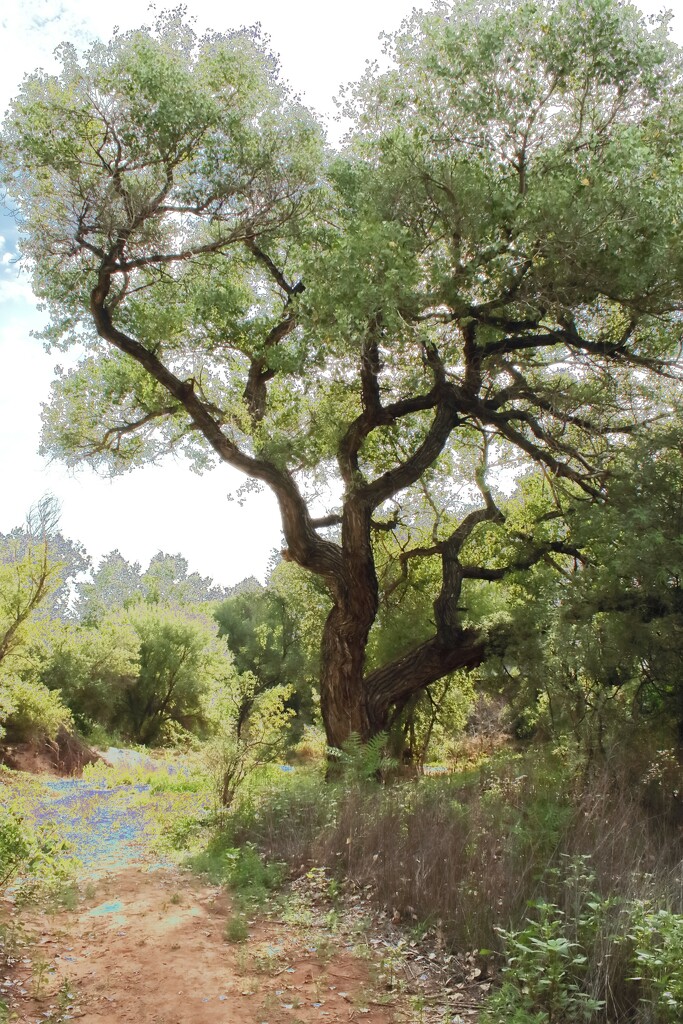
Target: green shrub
[(36, 860), (247, 874), (606, 959), (657, 938), (544, 973), (15, 845), (236, 929), (29, 711)]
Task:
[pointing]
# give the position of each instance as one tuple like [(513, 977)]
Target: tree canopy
[(118, 583), (489, 277)]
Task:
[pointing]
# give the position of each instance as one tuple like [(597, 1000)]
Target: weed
[(418, 1004), (325, 949), (241, 868), (40, 969), (236, 929), (162, 775), (12, 939), (243, 961), (64, 1009), (332, 919), (657, 939), (389, 968), (38, 862)]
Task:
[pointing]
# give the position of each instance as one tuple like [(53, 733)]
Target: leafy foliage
[(274, 635), (36, 565), (596, 651), (141, 670), (363, 762), (245, 742), (42, 858), (29, 711), (657, 937)]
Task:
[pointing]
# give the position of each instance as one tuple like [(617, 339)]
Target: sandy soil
[(150, 946)]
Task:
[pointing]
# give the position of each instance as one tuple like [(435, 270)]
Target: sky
[(166, 507)]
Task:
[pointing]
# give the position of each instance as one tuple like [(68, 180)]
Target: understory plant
[(34, 860), (597, 959)]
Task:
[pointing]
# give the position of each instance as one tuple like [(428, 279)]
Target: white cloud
[(15, 290)]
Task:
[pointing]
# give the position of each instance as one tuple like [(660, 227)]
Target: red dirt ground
[(161, 957)]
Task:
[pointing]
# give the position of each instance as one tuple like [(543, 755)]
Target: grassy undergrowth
[(568, 885), (572, 886)]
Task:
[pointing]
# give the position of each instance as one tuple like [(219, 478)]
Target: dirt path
[(148, 944)]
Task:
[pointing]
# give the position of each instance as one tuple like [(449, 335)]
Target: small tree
[(36, 563), (242, 742), (142, 670), (274, 634)]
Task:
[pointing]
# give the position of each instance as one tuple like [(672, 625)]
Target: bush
[(657, 938), (15, 845), (613, 960), (29, 711), (241, 868)]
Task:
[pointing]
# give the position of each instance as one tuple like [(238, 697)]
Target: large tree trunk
[(393, 683), (356, 600), (352, 702), (342, 691)]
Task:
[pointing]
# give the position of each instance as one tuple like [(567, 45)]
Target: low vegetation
[(568, 890)]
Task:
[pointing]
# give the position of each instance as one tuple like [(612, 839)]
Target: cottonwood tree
[(491, 272)]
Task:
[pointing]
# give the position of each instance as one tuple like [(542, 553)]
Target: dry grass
[(471, 850)]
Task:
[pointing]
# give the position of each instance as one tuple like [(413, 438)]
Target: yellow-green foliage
[(29, 711), (34, 858)]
